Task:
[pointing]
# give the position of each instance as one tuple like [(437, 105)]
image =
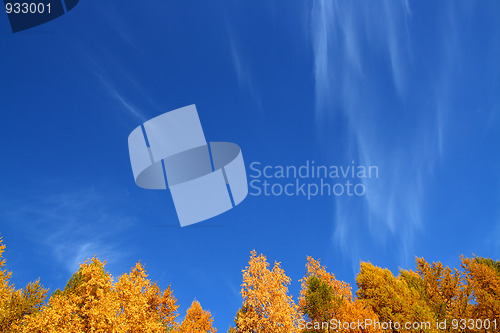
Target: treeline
[(431, 298), (449, 300), (93, 301)]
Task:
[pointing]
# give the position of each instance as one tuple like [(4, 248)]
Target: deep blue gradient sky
[(411, 87)]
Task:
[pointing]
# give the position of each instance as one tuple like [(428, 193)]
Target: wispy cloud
[(243, 72), (118, 81), (74, 225), (363, 70), (126, 105)]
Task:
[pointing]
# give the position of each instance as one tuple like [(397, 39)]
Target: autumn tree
[(483, 277), (393, 299), (197, 320), (445, 290), (86, 304), (90, 302), (323, 298), (16, 304), (267, 307), (143, 306)]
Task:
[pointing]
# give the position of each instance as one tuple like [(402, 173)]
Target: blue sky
[(411, 87)]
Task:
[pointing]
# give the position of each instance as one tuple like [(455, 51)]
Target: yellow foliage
[(267, 307), (16, 304), (197, 320), (143, 306), (314, 268), (92, 303), (392, 298), (337, 305), (445, 290), (483, 277)]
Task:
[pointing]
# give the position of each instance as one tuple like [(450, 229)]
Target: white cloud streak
[(241, 69), (126, 105), (346, 38), (74, 226)]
